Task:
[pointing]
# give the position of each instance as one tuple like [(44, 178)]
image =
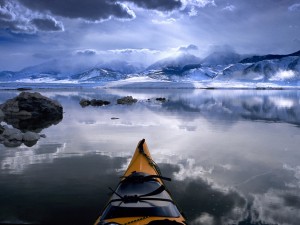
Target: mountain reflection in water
[(233, 156)]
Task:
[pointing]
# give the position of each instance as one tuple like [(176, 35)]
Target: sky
[(37, 31)]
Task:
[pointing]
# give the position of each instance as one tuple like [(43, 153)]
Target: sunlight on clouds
[(193, 11), (190, 170), (164, 22), (276, 207), (130, 12), (283, 75), (198, 3), (230, 8), (296, 171)]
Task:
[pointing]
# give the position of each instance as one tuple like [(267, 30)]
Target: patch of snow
[(47, 80)]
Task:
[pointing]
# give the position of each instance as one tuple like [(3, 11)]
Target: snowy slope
[(286, 69), (221, 58), (98, 75), (281, 70), (176, 62)]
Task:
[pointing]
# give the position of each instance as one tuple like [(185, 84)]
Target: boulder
[(12, 135), (26, 113), (84, 102), (31, 111), (30, 138), (126, 100), (12, 144)]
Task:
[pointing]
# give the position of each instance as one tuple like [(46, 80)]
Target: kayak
[(141, 197)]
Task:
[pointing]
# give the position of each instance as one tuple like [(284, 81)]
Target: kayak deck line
[(141, 197)]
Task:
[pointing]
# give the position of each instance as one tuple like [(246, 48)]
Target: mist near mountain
[(221, 65)]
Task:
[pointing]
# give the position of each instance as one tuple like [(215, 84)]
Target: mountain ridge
[(256, 58), (222, 66)]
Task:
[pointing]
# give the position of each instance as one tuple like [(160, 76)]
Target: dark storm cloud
[(5, 15), (47, 24), (91, 10), (161, 5), (86, 52), (16, 26), (18, 19)]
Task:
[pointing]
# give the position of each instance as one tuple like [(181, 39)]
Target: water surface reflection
[(233, 156)]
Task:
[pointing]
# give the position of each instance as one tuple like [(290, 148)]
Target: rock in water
[(12, 134), (31, 111), (160, 99), (126, 100), (30, 136), (84, 102), (93, 102)]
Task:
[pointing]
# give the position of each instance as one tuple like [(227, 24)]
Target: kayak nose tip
[(140, 145)]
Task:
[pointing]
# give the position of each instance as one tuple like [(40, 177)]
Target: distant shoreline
[(145, 85)]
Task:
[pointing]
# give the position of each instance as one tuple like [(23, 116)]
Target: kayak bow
[(141, 197)]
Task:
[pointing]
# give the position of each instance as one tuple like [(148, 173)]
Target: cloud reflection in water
[(233, 155)]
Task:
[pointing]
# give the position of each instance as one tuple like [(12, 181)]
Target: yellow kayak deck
[(145, 169)]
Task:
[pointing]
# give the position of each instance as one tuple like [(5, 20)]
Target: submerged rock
[(30, 136), (12, 137), (126, 100)]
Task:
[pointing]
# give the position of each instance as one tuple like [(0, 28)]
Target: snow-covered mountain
[(98, 75), (256, 58), (222, 58), (122, 66), (286, 70), (178, 61), (55, 70), (217, 68), (173, 68)]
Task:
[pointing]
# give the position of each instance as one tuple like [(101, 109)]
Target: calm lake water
[(234, 156)]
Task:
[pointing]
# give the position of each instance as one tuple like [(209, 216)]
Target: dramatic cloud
[(47, 24), (28, 27), (17, 18), (91, 10), (86, 52), (161, 5)]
